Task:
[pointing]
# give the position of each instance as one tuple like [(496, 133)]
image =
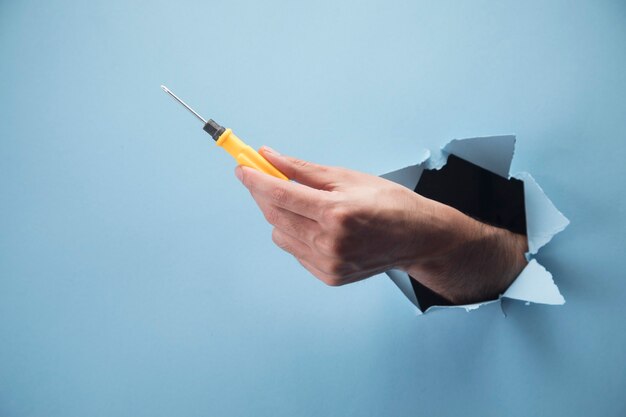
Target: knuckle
[(336, 246), (278, 194), (334, 269), (338, 217), (300, 163), (325, 245), (302, 167), (272, 215), (280, 241), (293, 228), (332, 281)]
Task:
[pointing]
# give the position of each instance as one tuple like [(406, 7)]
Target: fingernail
[(270, 150), (239, 173)]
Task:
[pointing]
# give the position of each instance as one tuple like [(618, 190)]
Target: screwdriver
[(243, 154)]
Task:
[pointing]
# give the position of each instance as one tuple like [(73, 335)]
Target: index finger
[(297, 198)]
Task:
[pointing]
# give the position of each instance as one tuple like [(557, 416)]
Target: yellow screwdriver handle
[(245, 155)]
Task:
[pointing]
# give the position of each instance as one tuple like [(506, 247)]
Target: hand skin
[(344, 226)]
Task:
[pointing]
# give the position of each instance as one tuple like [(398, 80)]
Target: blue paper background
[(137, 277)]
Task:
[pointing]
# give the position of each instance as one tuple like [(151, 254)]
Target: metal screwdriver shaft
[(210, 126), (183, 103)]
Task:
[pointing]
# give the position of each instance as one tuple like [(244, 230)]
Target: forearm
[(464, 260)]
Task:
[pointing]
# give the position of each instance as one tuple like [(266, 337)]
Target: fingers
[(294, 197), (304, 172), (302, 253), (290, 244), (306, 256), (293, 224), (327, 279), (331, 279)]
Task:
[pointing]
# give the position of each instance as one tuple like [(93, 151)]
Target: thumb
[(304, 172)]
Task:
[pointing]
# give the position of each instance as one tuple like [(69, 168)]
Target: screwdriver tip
[(175, 97)]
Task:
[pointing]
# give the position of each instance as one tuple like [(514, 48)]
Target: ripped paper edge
[(543, 220)]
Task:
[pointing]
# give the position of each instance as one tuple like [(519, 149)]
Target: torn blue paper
[(543, 220)]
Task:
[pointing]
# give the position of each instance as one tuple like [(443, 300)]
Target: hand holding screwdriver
[(344, 226)]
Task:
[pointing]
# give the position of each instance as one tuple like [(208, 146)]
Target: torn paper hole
[(542, 219)]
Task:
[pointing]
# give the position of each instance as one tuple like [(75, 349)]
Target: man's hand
[(344, 226)]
